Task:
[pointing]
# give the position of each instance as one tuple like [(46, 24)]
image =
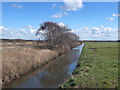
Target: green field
[(97, 67)]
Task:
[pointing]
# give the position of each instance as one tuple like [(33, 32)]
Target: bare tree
[(56, 35)]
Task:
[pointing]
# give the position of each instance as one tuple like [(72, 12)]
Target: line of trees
[(57, 36)]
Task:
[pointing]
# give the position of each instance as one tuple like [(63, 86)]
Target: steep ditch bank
[(52, 74), (18, 61)]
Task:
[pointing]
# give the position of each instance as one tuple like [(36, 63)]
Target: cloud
[(73, 31), (95, 30), (54, 5), (72, 5), (26, 32), (16, 5), (1, 27), (110, 18), (86, 33), (30, 29), (115, 15), (98, 33), (85, 28), (23, 31), (59, 15), (61, 24)]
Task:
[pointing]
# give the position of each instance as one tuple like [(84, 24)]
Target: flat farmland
[(97, 66), (106, 49)]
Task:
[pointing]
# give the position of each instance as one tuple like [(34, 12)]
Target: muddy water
[(51, 75)]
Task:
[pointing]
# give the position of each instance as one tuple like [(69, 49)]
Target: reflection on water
[(51, 75)]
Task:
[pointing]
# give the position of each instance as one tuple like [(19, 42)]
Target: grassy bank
[(97, 67), (18, 61)]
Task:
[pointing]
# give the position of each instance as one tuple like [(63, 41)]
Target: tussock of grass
[(18, 61), (96, 69)]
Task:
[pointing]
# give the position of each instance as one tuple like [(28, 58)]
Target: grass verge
[(97, 67)]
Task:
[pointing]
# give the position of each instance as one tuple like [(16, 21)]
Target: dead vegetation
[(19, 56), (18, 61)]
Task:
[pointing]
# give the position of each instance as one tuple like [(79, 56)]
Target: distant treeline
[(18, 40), (99, 41)]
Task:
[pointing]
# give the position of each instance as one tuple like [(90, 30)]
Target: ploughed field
[(97, 66)]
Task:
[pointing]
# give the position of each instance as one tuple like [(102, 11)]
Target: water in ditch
[(51, 75)]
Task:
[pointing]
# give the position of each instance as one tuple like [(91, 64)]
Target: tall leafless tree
[(56, 35)]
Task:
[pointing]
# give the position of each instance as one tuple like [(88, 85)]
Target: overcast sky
[(89, 20)]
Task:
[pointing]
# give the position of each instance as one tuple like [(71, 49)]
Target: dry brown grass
[(17, 61)]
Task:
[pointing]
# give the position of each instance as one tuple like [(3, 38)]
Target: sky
[(89, 20)]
